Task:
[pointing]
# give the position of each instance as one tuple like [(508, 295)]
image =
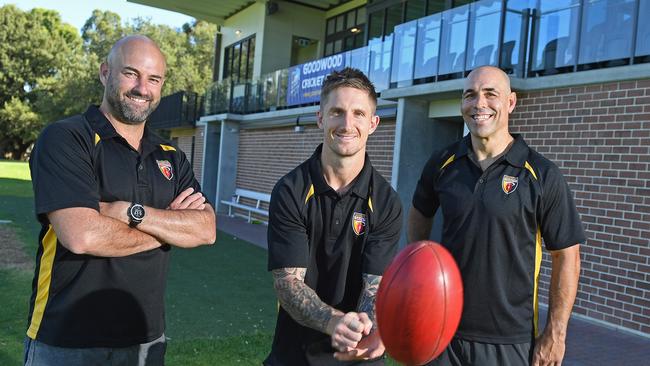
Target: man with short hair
[(334, 225), (499, 198), (112, 198)]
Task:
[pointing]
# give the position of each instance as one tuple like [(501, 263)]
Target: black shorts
[(462, 352)]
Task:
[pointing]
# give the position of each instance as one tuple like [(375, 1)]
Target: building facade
[(581, 70)]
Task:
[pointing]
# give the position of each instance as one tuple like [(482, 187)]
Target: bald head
[(133, 76), (487, 103), (134, 43), (493, 73)]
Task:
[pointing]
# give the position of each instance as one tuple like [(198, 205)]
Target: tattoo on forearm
[(368, 294), (299, 300)]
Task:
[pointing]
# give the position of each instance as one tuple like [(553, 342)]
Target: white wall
[(279, 28), (248, 21), (274, 33), (444, 108)]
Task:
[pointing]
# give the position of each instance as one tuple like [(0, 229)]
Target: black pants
[(461, 352)]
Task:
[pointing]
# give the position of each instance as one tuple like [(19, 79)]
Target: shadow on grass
[(220, 301), (220, 291), (17, 205), (15, 187), (221, 307)]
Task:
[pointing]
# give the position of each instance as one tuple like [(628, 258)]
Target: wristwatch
[(136, 214)]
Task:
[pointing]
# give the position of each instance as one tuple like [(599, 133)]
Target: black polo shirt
[(494, 222), (88, 301), (337, 238)]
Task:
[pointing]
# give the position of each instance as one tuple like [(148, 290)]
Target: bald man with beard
[(498, 199), (112, 198)]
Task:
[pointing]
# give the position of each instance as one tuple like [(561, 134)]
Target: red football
[(419, 303)]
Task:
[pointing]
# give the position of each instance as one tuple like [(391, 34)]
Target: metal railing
[(526, 38), (180, 109)]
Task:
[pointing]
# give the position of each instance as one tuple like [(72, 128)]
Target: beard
[(124, 110)]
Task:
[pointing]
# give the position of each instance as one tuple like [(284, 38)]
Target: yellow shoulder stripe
[(370, 204), (97, 139), (530, 169), (44, 281), (538, 266), (451, 158), (310, 193), (167, 147)]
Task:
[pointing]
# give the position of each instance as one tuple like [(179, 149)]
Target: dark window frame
[(382, 6), (229, 69), (331, 37)]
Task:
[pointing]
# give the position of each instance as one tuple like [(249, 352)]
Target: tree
[(189, 52), (200, 48), (34, 47), (48, 71), (101, 31), (22, 123)]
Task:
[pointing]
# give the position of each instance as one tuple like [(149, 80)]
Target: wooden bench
[(242, 195)]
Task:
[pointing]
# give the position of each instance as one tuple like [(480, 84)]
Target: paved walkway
[(236, 226), (588, 343)]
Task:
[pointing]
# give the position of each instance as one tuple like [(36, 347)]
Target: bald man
[(112, 199), (498, 199)]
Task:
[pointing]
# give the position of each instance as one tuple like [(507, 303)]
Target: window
[(395, 12), (643, 33), (606, 30), (457, 3), (345, 31), (238, 60), (515, 33), (555, 36), (483, 34), (403, 52), (435, 6), (415, 9), (427, 46), (453, 40), (376, 26)]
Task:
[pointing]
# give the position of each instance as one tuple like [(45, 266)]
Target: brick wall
[(599, 136), (265, 155)]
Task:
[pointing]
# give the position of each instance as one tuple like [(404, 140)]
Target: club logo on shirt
[(509, 184), (165, 168), (358, 223)]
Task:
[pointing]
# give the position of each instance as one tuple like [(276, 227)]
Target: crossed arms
[(188, 222)]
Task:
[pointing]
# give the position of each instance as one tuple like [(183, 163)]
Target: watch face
[(137, 212)]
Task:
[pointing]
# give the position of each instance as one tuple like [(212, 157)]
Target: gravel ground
[(12, 254)]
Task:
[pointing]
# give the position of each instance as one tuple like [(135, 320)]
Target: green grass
[(220, 306), (17, 205), (220, 290), (14, 169), (234, 350), (220, 302), (14, 302)]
